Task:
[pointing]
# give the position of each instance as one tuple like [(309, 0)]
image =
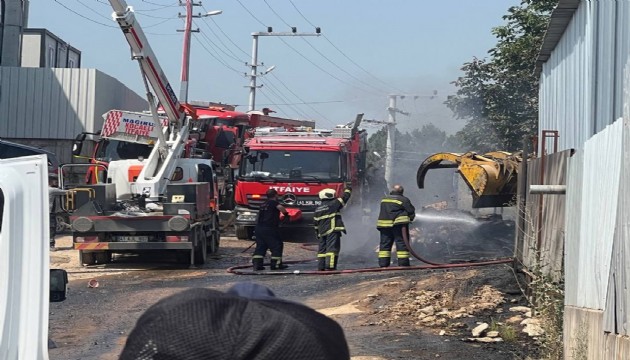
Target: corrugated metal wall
[(581, 85), (597, 259), (600, 192), (49, 103), (553, 210)]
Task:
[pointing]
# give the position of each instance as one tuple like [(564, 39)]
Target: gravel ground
[(93, 322)]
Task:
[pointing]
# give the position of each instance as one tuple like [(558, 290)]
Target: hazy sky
[(400, 46)]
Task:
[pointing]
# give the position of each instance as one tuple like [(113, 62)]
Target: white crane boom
[(158, 168), (141, 51)]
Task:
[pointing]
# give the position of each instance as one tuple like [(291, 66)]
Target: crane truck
[(298, 164), (216, 133), (167, 200)]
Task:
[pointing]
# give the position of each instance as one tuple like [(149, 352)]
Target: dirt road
[(380, 312)]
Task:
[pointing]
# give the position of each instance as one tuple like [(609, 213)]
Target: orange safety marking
[(91, 246)]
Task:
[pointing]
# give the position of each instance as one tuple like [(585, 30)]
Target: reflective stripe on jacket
[(328, 216), (395, 210)]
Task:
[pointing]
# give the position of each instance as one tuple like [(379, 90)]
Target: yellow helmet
[(327, 194)]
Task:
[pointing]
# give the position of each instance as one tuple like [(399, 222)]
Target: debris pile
[(435, 308)]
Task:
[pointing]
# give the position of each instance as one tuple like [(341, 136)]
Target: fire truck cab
[(298, 164)]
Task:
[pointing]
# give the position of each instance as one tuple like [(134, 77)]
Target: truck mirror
[(252, 159), (264, 155), (58, 284), (77, 144)]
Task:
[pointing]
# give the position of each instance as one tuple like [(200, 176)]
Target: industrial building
[(584, 73), (46, 97)]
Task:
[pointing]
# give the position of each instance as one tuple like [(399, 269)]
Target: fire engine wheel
[(87, 258), (243, 232), (201, 246)]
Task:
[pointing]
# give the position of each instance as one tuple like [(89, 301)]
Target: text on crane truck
[(138, 127)]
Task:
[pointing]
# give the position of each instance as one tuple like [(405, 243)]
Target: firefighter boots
[(258, 264), (276, 264), (384, 261), (321, 263), (403, 262)]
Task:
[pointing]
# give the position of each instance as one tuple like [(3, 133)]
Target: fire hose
[(432, 265)]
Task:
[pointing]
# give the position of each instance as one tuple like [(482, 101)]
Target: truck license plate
[(133, 238), (309, 202)]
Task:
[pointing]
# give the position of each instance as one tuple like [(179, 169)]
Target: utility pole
[(390, 147), (183, 90), (391, 141), (254, 64)]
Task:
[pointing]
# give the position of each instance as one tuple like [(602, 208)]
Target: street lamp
[(183, 90), (211, 13)]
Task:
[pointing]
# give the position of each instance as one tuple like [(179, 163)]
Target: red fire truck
[(298, 164), (216, 133)]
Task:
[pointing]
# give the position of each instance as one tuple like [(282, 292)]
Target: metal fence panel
[(551, 212), (572, 227), (600, 191)]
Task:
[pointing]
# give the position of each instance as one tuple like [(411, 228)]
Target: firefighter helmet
[(327, 194)]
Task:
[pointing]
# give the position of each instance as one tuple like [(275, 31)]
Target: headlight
[(246, 216)]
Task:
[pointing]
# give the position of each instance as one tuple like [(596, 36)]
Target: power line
[(278, 15), (221, 61), (319, 67), (214, 45), (94, 11), (342, 69), (343, 53), (232, 54), (276, 95), (277, 91), (319, 52), (251, 13), (84, 17), (299, 98), (227, 36), (263, 94)]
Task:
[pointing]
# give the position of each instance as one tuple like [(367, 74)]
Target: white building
[(584, 67)]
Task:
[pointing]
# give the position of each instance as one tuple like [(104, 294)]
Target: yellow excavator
[(492, 177)]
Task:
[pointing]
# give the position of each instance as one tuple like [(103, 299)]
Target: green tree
[(499, 96)]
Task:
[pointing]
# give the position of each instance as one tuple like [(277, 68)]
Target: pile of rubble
[(435, 308), (441, 309)]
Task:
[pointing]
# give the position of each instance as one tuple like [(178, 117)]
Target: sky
[(368, 49)]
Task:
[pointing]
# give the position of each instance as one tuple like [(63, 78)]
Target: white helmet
[(327, 194)]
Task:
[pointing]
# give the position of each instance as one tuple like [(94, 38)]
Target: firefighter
[(329, 226), (394, 218), (267, 233)]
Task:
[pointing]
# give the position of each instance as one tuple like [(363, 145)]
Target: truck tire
[(86, 258), (201, 246), (243, 232)]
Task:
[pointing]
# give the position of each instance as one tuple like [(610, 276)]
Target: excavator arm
[(491, 177)]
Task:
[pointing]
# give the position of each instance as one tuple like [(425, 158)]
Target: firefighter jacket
[(328, 216), (395, 210)]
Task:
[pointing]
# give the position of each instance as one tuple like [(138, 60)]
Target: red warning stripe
[(91, 246)]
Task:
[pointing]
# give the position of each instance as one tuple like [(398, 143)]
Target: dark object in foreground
[(246, 323)]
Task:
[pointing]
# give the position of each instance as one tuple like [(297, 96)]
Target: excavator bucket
[(491, 177)]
